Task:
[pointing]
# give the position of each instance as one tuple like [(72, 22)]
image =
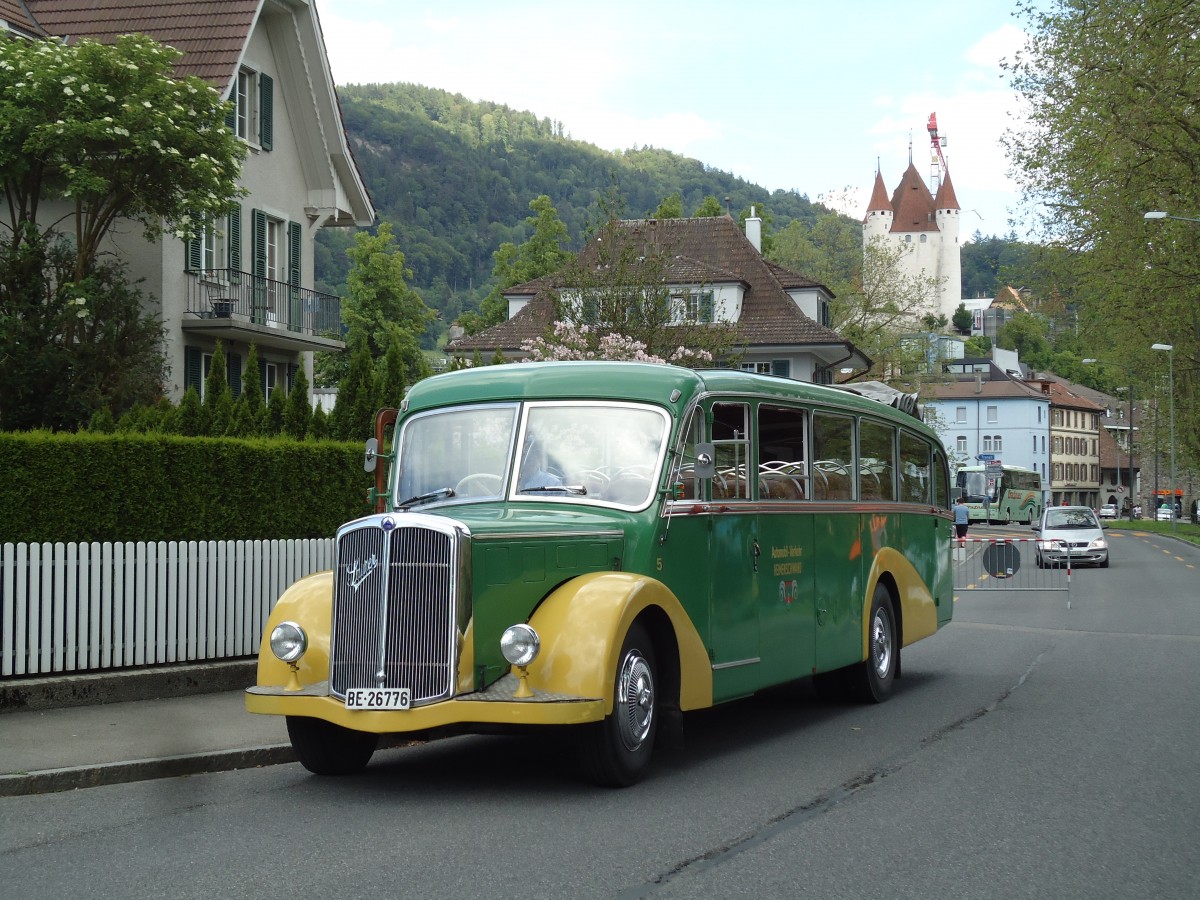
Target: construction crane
[(937, 160)]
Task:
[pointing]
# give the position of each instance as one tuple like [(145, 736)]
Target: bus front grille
[(396, 616)]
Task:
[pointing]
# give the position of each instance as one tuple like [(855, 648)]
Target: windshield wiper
[(551, 488), (425, 498)]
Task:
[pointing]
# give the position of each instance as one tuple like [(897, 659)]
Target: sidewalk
[(47, 747)]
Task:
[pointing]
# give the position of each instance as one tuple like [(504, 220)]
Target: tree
[(617, 294), (542, 254), (883, 306), (709, 207), (69, 348), (218, 398), (963, 319), (1111, 92), (670, 208), (298, 414), (110, 129), (379, 305), (353, 414)]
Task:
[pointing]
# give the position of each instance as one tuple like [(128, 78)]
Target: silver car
[(1070, 534)]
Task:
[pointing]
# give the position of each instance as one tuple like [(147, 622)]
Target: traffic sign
[(1120, 488), (986, 457)]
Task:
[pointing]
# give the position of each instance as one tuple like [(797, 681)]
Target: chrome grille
[(396, 614)]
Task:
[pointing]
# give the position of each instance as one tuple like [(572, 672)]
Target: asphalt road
[(1031, 750)]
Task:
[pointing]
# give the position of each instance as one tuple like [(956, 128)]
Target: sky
[(787, 94)]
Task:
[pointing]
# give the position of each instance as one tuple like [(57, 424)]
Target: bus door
[(785, 534), (841, 543), (735, 556)]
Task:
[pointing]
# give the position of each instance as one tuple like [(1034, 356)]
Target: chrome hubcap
[(635, 700), (881, 643)]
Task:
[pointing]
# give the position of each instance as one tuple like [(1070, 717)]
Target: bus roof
[(634, 381)]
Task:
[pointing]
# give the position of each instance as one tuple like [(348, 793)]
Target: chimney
[(754, 230)]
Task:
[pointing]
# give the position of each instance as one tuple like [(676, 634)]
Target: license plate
[(377, 698)]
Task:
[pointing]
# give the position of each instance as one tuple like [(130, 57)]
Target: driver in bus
[(535, 468)]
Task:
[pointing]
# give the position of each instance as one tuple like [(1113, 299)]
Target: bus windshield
[(976, 486), (578, 452)]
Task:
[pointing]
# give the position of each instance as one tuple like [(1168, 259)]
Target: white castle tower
[(925, 225)]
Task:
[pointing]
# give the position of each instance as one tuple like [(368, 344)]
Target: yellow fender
[(917, 608), (583, 623), (308, 603)]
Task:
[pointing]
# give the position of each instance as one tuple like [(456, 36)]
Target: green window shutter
[(258, 220), (294, 235), (193, 368), (194, 260), (295, 305), (781, 367), (258, 243), (233, 373), (235, 245), (291, 376), (266, 111), (231, 114), (706, 306), (262, 377)]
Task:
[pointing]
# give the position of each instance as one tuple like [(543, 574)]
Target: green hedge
[(140, 487)]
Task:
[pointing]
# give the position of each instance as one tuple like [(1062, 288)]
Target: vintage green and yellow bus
[(605, 546)]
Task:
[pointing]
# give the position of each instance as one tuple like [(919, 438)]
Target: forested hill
[(455, 178)]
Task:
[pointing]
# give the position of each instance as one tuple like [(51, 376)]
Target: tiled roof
[(967, 389), (1060, 396), (879, 199), (14, 14), (210, 33), (703, 250), (913, 204), (945, 198)]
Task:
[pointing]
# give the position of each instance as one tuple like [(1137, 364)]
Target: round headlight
[(520, 644), (288, 641)]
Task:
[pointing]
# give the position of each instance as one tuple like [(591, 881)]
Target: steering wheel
[(479, 484)]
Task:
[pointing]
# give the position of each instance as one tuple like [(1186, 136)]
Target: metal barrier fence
[(75, 607), (1006, 564)]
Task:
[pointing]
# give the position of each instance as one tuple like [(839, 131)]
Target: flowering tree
[(574, 342), (110, 130)]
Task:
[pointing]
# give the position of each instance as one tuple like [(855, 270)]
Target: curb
[(49, 781), (116, 686)]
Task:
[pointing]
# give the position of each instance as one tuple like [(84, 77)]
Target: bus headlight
[(520, 644), (288, 641)]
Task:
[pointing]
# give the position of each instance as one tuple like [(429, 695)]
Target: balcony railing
[(230, 294)]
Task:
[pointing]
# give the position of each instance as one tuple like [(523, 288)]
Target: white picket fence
[(77, 607)]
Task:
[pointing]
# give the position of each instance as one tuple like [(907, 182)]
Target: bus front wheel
[(874, 677), (328, 749), (616, 752)]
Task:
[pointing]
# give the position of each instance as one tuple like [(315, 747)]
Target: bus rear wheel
[(616, 752), (873, 678), (328, 749)]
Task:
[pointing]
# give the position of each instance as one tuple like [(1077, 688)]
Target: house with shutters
[(717, 274), (247, 280)]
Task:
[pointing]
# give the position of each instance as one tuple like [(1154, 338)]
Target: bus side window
[(731, 437), (941, 480), (915, 485), (782, 472), (833, 457), (876, 461), (683, 479)]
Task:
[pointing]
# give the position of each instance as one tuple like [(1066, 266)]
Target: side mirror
[(706, 461), (372, 456)]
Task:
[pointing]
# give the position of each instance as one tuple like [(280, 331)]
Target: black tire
[(327, 749), (873, 678), (617, 751), (1104, 565)]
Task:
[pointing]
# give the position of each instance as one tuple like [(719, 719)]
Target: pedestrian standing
[(962, 518)]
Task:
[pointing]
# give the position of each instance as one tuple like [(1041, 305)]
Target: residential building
[(718, 274), (1074, 447), (985, 412), (249, 279)]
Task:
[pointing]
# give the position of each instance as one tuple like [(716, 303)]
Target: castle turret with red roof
[(925, 225)]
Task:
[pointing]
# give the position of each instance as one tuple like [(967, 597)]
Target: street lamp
[(1169, 348), (1129, 448), (1158, 214)]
